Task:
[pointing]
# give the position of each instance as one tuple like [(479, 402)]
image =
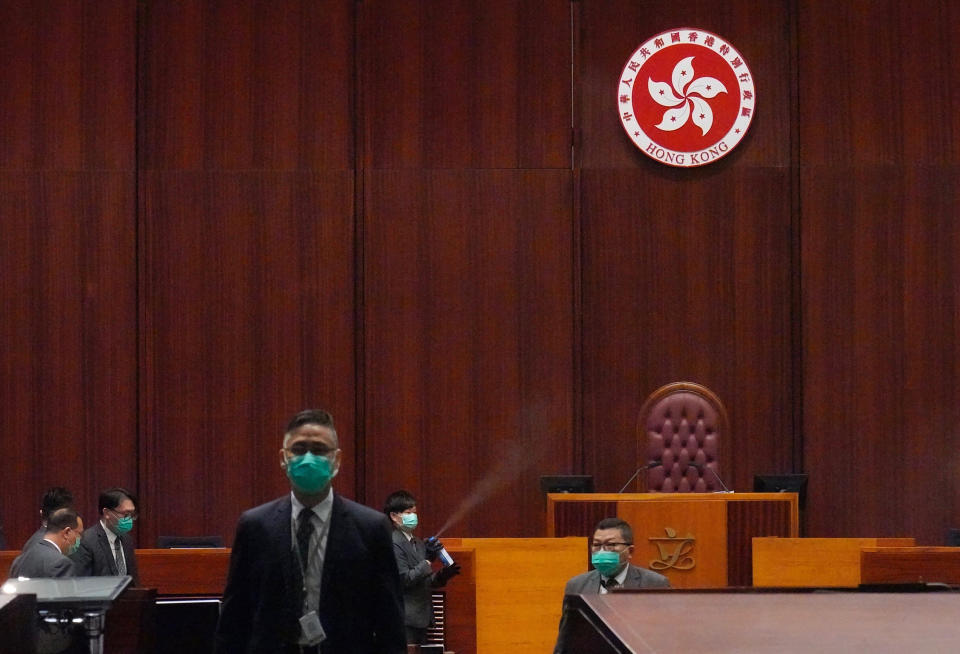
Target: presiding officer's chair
[(679, 432)]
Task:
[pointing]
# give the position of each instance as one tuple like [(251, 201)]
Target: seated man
[(610, 552), (47, 556), (106, 549)]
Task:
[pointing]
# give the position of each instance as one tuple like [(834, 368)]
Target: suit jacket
[(42, 559), (361, 608), (95, 557), (35, 537), (416, 577), (588, 583)]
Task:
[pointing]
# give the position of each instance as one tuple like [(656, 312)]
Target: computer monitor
[(788, 483), (566, 483)]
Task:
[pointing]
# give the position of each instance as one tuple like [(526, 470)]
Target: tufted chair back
[(681, 424)]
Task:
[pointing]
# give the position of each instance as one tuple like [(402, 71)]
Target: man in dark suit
[(55, 498), (414, 557), (311, 571), (106, 548), (611, 549), (47, 557)]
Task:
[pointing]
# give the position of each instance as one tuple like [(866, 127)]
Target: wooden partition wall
[(425, 217)]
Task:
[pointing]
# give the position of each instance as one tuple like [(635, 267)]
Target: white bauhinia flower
[(685, 97)]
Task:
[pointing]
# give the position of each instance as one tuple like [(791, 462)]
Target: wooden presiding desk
[(698, 540)]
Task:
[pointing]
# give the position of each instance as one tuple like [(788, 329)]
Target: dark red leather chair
[(680, 430)]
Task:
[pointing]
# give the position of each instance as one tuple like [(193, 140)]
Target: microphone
[(701, 467), (650, 464)]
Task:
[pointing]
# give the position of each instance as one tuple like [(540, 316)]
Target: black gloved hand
[(433, 548), (445, 574)]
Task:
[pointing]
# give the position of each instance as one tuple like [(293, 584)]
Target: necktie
[(610, 583), (304, 531), (118, 555)]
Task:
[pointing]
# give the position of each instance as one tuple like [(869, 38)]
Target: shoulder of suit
[(582, 578), (266, 509), (649, 576)]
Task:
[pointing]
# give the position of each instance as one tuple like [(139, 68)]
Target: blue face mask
[(607, 563), (408, 521), (309, 473)]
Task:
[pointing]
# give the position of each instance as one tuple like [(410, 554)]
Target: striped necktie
[(118, 555)]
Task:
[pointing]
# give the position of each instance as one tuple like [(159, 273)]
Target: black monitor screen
[(566, 483), (794, 483)]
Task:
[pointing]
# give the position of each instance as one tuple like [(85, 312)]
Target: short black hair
[(113, 497), (399, 501), (626, 532), (310, 417), (60, 519), (55, 498)]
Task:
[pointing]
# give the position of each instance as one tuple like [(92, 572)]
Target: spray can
[(443, 555)]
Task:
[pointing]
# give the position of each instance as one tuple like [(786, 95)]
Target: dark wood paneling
[(68, 85), (68, 322), (246, 85), (246, 223), (247, 313), (468, 342), (879, 183), (686, 272), (580, 518), (465, 84)]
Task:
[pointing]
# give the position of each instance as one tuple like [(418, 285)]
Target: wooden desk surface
[(782, 623)]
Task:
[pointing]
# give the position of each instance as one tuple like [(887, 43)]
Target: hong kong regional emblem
[(686, 97)]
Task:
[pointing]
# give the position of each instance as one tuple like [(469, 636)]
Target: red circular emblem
[(686, 97)]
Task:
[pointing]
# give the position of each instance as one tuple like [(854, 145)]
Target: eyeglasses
[(609, 547), (316, 449), (125, 514)]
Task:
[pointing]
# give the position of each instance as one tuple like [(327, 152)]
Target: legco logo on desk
[(686, 97)]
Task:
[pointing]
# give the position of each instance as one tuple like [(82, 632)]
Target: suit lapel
[(104, 543)]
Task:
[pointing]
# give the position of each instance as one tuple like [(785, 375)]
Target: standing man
[(47, 556), (414, 557), (311, 572), (611, 549), (55, 498), (106, 549)]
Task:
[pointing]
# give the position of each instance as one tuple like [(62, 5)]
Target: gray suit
[(35, 538), (588, 583), (95, 557), (42, 559), (416, 577)]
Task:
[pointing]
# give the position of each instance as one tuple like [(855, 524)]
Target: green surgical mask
[(73, 548), (607, 563), (124, 524), (309, 473), (409, 521)]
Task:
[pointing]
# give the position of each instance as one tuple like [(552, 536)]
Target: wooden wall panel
[(247, 289), (468, 342), (215, 213), (880, 303), (686, 272), (67, 235), (464, 84)]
